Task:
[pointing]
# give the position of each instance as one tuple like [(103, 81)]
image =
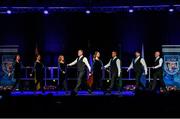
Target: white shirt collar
[(80, 56), (137, 57), (157, 57), (114, 57)]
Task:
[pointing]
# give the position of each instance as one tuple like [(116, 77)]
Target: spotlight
[(46, 12), (88, 11), (131, 10), (9, 12), (171, 10)]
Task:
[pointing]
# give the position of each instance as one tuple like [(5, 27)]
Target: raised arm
[(73, 63), (130, 66), (107, 65)]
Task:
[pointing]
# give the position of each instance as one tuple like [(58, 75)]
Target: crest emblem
[(171, 65)]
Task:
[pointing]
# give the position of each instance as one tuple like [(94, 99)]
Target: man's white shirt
[(142, 62), (84, 60), (118, 63), (160, 63)]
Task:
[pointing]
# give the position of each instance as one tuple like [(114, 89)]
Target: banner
[(7, 74), (172, 65), (7, 56)]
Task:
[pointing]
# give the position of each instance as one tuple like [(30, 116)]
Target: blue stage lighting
[(131, 10), (46, 12), (9, 12), (88, 11), (171, 10)]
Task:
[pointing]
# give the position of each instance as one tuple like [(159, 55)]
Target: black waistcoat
[(138, 67), (113, 65), (17, 70), (81, 65), (156, 62)]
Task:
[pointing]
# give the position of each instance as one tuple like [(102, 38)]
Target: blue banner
[(171, 70), (6, 71)]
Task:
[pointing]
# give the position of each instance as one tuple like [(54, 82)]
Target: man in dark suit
[(140, 68), (115, 70), (158, 72), (82, 64)]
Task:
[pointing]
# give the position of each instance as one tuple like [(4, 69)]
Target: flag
[(142, 51), (91, 60), (36, 49), (143, 77), (36, 53), (143, 80), (90, 78), (35, 80)]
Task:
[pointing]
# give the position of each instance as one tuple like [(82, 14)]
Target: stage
[(63, 93), (144, 104), (70, 45)]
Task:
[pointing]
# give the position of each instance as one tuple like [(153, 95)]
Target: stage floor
[(57, 104), (63, 93)]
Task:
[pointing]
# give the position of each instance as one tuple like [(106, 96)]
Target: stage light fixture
[(9, 12), (171, 10), (131, 10), (46, 12), (88, 11)]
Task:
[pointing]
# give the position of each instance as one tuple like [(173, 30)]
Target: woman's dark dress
[(62, 76), (39, 74), (97, 74)]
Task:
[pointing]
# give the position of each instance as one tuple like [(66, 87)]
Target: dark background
[(65, 33)]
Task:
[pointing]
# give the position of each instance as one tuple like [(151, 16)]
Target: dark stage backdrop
[(67, 32)]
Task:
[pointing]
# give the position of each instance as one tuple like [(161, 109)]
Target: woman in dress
[(97, 71), (38, 72), (62, 73)]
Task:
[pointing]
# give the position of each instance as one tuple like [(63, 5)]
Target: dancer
[(17, 65), (140, 68), (62, 76), (38, 72), (158, 72), (115, 70), (82, 65), (97, 71)]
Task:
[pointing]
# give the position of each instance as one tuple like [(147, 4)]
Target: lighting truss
[(103, 9)]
